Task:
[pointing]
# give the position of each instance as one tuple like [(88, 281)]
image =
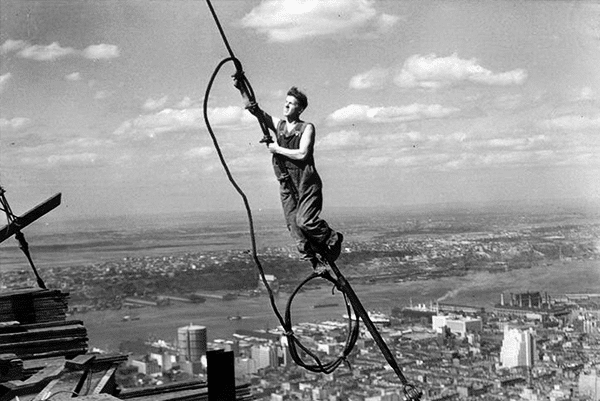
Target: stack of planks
[(33, 305), (43, 340), (33, 325)]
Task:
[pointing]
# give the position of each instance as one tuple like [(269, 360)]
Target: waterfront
[(106, 329)]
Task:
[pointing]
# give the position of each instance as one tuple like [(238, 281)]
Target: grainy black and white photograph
[(285, 200)]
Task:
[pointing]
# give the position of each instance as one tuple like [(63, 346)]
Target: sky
[(414, 102)]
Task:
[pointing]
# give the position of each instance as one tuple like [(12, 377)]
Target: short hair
[(301, 97)]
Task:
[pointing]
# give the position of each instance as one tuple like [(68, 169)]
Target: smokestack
[(520, 300), (512, 299), (501, 299)]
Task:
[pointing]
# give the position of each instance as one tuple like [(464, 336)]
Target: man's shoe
[(318, 266), (335, 249)]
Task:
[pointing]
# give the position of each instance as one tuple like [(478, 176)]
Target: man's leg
[(290, 210), (314, 227)]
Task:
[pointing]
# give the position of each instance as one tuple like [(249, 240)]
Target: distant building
[(164, 357), (146, 366), (271, 281), (531, 306), (457, 324), (191, 342), (518, 348), (265, 356), (589, 384)]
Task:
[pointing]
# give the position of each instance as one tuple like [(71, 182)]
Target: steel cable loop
[(293, 342), (351, 338)]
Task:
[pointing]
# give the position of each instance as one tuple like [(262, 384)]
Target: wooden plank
[(46, 391), (80, 362), (60, 342), (35, 383), (107, 384)]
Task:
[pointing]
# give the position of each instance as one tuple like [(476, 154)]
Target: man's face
[(291, 107)]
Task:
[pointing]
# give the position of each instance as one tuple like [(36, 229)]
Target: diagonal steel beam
[(29, 217)]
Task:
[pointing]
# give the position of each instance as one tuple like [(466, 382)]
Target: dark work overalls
[(301, 214)]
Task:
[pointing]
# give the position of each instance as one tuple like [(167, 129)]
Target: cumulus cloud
[(199, 152), (11, 45), (101, 51), (416, 111), (374, 78), (586, 93), (50, 52), (155, 104), (55, 51), (174, 120), (455, 150), (340, 140), (571, 122), (78, 159), (185, 103), (434, 72), (74, 76), (16, 124), (101, 94), (4, 78), (292, 20)]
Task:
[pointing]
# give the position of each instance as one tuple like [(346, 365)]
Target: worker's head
[(295, 103)]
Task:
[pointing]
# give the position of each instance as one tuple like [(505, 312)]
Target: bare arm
[(305, 148), (253, 108)]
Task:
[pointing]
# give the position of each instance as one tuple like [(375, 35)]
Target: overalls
[(301, 195)]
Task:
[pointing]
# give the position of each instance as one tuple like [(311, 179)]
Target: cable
[(410, 392)]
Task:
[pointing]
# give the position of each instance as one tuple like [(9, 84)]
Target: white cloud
[(185, 103), (55, 51), (340, 140), (155, 104), (16, 124), (102, 94), (174, 120), (374, 78), (12, 45), (416, 111), (50, 52), (571, 122), (74, 76), (78, 159), (435, 72), (586, 93), (291, 20), (4, 78), (199, 152), (101, 51)]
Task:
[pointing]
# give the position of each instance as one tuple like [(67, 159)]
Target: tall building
[(191, 342), (518, 348), (265, 356)]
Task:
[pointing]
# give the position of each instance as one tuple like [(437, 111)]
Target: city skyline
[(414, 102)]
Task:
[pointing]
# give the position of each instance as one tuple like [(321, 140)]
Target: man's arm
[(254, 109), (304, 150)]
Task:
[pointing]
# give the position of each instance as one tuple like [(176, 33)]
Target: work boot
[(333, 251), (318, 266)]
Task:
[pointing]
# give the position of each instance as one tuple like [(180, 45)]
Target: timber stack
[(33, 305)]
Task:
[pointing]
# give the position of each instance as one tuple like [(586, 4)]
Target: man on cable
[(300, 184)]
